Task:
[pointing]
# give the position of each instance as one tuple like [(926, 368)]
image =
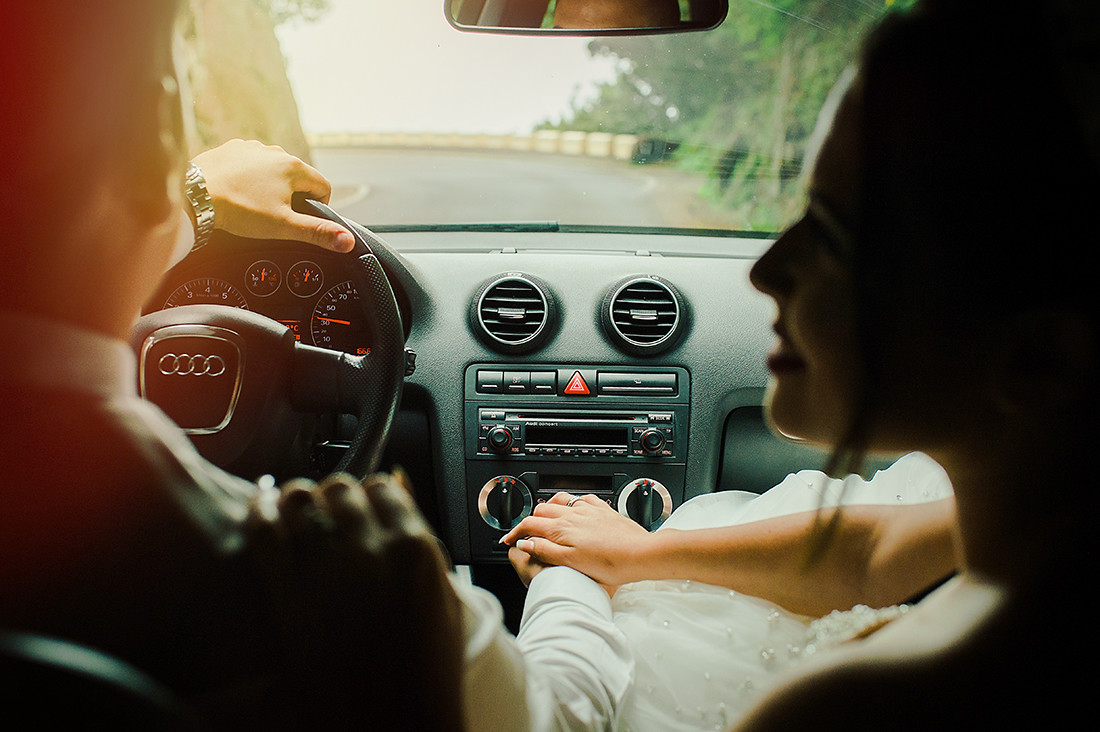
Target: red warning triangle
[(576, 385)]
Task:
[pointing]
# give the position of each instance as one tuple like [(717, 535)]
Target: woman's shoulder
[(967, 657)]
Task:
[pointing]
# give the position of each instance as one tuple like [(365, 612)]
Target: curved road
[(417, 186)]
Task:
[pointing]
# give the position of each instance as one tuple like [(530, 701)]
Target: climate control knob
[(646, 501), (504, 501)]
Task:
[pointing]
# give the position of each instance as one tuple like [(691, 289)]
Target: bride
[(937, 296), (703, 653)]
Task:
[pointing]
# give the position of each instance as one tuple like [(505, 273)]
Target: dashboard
[(629, 365)]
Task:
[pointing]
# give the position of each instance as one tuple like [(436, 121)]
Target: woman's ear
[(1042, 360)]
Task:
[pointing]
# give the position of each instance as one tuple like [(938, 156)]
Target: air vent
[(643, 315), (513, 313)]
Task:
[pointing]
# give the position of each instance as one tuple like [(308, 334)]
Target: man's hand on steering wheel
[(266, 193), (251, 185)]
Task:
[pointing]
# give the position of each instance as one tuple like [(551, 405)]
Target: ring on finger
[(573, 500)]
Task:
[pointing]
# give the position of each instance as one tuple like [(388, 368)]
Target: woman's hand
[(251, 184), (582, 532)]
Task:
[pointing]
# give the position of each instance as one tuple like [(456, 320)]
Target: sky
[(385, 65)]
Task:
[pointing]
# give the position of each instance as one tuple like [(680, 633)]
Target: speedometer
[(337, 321), (206, 291)]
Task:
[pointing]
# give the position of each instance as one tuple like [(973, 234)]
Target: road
[(401, 186)]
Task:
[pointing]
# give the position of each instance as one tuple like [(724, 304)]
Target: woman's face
[(815, 366), (928, 394)]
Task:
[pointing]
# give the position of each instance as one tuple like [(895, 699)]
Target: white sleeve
[(569, 669)]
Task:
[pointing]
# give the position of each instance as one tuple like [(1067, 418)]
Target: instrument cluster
[(308, 290)]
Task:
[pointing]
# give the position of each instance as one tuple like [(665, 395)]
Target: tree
[(739, 102)]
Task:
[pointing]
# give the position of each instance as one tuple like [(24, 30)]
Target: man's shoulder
[(84, 453)]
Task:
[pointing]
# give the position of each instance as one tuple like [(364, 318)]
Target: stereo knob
[(653, 441), (646, 501), (499, 439), (504, 501)]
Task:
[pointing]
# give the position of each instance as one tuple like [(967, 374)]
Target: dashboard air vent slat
[(643, 315), (512, 313)]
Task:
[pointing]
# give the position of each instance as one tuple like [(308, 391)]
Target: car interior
[(623, 361), (501, 360), (500, 412)]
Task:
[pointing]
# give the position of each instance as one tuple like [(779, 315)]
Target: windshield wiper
[(554, 226), (506, 226)]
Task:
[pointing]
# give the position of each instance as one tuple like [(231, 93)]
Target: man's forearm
[(580, 667), (569, 669)]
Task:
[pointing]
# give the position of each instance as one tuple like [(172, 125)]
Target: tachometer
[(337, 321), (206, 291)]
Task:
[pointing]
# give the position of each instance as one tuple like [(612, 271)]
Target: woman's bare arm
[(872, 554)]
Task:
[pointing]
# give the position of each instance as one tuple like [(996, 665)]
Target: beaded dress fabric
[(705, 654)]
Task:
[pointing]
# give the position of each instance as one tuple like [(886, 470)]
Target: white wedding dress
[(703, 653)]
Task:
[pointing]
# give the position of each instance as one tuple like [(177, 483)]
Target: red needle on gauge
[(334, 320)]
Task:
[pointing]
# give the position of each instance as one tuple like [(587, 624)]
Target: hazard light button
[(575, 382)]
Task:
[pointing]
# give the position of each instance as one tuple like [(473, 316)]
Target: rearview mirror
[(584, 17)]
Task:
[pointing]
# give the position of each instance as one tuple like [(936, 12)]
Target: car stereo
[(576, 434), (535, 429)]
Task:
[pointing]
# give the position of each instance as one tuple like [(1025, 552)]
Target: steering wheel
[(235, 380)]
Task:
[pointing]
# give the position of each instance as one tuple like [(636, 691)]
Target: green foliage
[(739, 102), (548, 19)]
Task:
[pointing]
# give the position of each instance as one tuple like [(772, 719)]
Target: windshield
[(416, 122)]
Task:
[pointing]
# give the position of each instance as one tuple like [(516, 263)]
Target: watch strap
[(201, 206)]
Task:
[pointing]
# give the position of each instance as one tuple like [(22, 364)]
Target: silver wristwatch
[(202, 208)]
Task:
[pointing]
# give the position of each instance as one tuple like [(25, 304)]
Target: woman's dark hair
[(978, 174)]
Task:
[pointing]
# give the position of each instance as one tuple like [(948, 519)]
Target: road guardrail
[(559, 142)]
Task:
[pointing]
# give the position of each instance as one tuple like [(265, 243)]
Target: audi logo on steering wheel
[(185, 364)]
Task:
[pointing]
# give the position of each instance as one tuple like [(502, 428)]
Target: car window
[(416, 122)]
